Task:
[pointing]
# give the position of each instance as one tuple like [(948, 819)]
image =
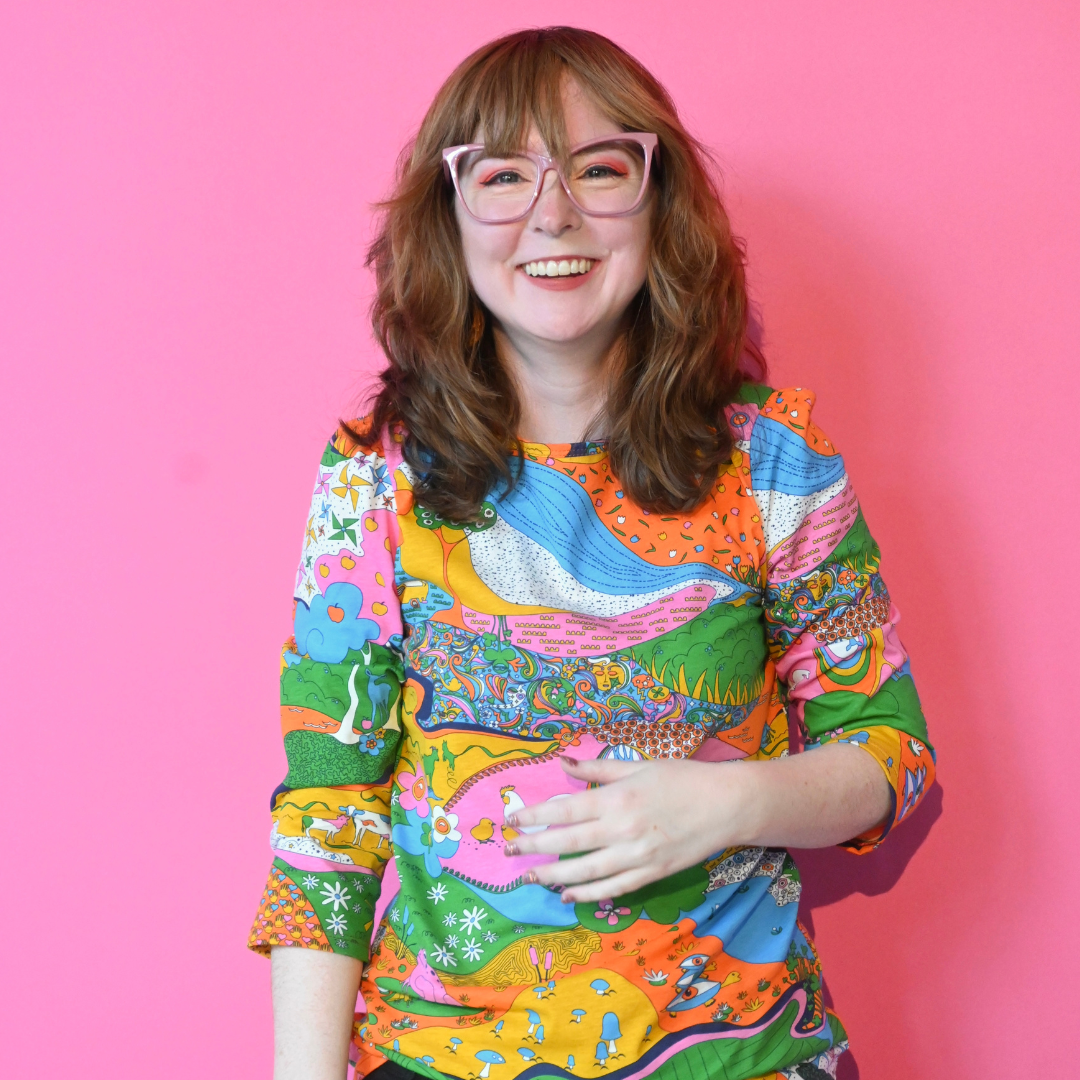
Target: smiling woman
[(649, 337), (573, 571)]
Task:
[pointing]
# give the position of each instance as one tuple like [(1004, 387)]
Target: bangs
[(520, 83)]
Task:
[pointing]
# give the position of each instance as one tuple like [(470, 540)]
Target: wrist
[(753, 793), (736, 814)]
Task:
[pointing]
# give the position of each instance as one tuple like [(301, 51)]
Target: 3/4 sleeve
[(830, 621), (341, 676)]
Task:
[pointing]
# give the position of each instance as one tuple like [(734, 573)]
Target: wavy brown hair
[(665, 428)]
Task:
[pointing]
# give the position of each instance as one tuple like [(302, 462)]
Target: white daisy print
[(472, 950), (443, 956), (334, 893), (470, 920)]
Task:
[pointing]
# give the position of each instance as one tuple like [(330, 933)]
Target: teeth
[(562, 268)]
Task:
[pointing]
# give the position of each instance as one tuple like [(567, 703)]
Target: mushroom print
[(570, 1061), (526, 1053), (534, 1019), (577, 1014), (602, 1054), (489, 1058), (455, 1042), (601, 987), (610, 1031)]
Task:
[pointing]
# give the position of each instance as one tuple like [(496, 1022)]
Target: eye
[(505, 176), (601, 172)]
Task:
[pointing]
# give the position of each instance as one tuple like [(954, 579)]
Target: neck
[(562, 386)]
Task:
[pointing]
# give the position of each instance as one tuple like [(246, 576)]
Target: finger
[(600, 771), (568, 840), (601, 864), (564, 810), (609, 888)]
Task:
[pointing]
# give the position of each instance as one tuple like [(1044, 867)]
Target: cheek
[(488, 252), (628, 242)]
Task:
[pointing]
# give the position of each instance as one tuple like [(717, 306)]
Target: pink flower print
[(609, 911), (414, 793)]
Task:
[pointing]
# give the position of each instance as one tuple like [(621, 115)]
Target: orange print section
[(792, 409), (724, 531), (296, 718)]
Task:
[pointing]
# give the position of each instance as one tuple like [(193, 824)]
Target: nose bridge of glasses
[(552, 187)]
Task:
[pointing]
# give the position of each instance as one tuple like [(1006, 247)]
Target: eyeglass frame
[(649, 142)]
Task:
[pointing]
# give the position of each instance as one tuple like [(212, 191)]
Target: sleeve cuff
[(908, 765), (333, 912)]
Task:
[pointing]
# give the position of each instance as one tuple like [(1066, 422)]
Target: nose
[(553, 213)]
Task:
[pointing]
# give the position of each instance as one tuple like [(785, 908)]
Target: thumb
[(600, 771)]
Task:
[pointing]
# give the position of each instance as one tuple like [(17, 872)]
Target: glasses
[(606, 177)]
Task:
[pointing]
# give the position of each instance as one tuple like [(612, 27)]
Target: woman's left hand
[(648, 820)]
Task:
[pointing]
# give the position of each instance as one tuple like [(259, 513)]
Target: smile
[(558, 268)]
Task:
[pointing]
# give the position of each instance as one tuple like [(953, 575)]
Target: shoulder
[(359, 441), (765, 421), (359, 437)]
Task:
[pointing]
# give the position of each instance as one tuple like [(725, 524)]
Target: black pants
[(391, 1070)]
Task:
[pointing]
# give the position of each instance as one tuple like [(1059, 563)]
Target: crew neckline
[(582, 448)]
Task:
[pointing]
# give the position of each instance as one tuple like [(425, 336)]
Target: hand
[(649, 820), (655, 818)]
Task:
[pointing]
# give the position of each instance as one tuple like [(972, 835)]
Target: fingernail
[(511, 849), (530, 878), (511, 820), (570, 760), (566, 898)]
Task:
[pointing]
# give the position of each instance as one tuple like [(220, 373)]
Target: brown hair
[(666, 433)]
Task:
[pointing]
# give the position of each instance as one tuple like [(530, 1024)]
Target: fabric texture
[(438, 670)]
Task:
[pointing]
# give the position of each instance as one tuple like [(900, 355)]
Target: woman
[(561, 596)]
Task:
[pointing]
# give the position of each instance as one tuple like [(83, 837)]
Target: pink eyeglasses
[(607, 177)]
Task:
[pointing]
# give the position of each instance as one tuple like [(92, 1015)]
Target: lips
[(558, 267)]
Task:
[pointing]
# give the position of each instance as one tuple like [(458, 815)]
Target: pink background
[(184, 203)]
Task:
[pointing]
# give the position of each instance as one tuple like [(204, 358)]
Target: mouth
[(553, 268)]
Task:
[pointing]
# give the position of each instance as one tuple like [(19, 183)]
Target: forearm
[(314, 1001), (814, 799)]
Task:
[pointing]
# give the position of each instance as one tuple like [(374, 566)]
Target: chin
[(561, 326)]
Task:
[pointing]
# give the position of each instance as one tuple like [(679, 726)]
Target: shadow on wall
[(837, 311)]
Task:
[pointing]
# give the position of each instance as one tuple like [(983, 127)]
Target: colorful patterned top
[(438, 670)]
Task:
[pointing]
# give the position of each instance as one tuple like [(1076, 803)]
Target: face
[(576, 310)]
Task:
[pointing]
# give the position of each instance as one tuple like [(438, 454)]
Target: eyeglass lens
[(606, 179)]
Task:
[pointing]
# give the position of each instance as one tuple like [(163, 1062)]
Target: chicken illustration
[(513, 802), (692, 989), (483, 830)]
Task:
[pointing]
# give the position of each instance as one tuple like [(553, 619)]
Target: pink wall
[(184, 194)]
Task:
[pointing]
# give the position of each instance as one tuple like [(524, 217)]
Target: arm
[(314, 998), (655, 818), (341, 677), (831, 634)]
